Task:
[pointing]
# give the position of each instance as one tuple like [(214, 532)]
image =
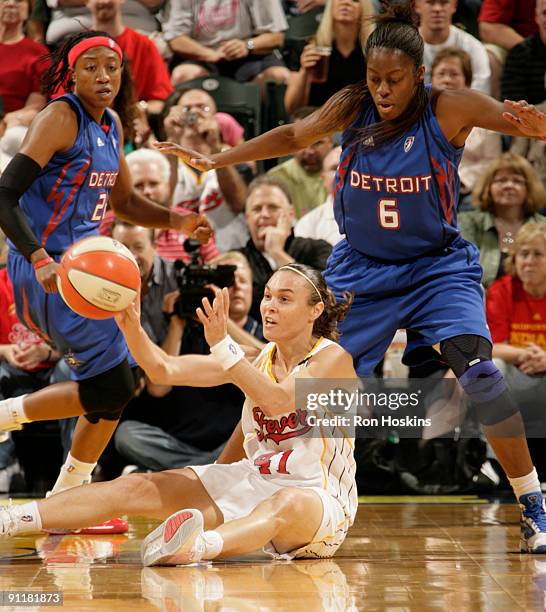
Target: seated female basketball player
[(285, 492)]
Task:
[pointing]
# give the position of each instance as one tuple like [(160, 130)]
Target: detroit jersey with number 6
[(398, 201), (69, 197)]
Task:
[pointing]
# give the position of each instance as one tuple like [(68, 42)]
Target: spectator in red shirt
[(516, 304), (21, 71), (150, 75), (516, 314), (504, 24)]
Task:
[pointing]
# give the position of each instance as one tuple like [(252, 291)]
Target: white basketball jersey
[(286, 450), (201, 193)]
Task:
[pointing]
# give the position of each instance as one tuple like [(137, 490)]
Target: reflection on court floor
[(404, 556)]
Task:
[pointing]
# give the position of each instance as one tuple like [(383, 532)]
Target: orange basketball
[(97, 277)]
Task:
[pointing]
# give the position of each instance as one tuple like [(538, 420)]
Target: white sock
[(22, 518), (213, 543), (12, 412), (73, 474), (525, 484)]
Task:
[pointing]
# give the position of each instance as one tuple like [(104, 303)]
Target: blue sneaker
[(533, 523)]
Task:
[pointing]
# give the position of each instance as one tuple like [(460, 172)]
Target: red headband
[(89, 43)]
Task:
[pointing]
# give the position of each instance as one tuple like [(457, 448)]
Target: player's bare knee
[(288, 502), (137, 486)]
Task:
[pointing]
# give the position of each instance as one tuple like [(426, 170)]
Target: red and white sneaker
[(116, 525), (176, 541)]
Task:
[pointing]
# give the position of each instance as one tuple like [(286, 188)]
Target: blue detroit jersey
[(398, 201), (66, 202), (68, 199)]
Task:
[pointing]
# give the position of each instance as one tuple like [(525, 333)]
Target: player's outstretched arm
[(460, 110), (271, 396), (161, 368), (278, 142), (53, 129)]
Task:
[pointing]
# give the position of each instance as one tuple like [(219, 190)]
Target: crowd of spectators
[(177, 52)]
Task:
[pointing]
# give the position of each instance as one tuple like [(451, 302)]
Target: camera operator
[(220, 193), (170, 427)]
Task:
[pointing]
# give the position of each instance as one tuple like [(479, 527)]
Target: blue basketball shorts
[(88, 346), (435, 297)]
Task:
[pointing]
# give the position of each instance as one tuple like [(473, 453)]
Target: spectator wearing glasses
[(220, 194), (508, 195)]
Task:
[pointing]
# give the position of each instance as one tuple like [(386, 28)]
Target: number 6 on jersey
[(388, 214)]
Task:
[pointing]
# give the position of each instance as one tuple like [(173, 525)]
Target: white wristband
[(227, 352)]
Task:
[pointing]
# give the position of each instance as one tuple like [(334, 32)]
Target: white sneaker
[(176, 541)]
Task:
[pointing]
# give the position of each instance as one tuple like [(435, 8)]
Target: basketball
[(97, 277)]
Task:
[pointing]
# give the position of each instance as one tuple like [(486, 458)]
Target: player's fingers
[(163, 145), (511, 118), (218, 301), (201, 316), (225, 292), (207, 307)]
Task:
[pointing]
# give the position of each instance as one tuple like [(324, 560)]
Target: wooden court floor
[(416, 554)]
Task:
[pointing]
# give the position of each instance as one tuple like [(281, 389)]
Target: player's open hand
[(191, 157), (215, 317), (527, 118)]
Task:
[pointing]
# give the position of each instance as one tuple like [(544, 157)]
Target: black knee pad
[(462, 352), (105, 396), (470, 359), (486, 388)]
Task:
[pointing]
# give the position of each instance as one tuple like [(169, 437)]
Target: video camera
[(191, 280)]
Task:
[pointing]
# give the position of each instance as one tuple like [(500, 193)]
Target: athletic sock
[(73, 474), (213, 543), (22, 518), (525, 484), (12, 412)]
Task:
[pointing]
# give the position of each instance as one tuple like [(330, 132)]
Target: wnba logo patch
[(409, 143)]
